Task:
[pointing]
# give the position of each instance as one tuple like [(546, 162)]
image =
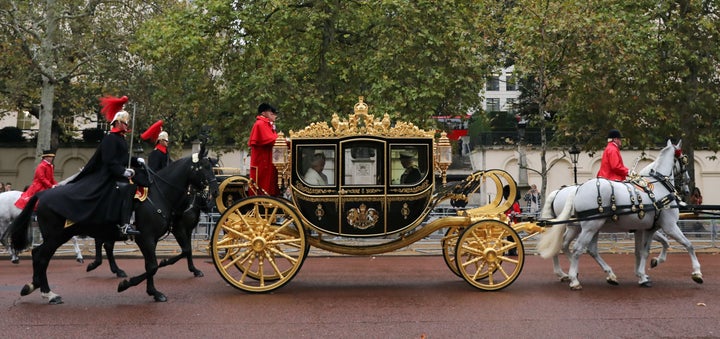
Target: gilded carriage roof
[(361, 123)]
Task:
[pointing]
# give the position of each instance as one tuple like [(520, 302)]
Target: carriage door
[(362, 187)]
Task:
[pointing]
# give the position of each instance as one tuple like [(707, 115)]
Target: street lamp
[(574, 154), (522, 156)]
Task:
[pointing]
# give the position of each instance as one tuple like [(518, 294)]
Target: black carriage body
[(366, 190)]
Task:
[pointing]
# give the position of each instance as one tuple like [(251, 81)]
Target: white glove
[(141, 161), (129, 173), (633, 174)]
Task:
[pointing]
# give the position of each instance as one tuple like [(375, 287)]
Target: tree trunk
[(44, 140)]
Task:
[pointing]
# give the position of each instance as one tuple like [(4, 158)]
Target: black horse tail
[(18, 229)]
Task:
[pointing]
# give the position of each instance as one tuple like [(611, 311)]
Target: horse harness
[(634, 187)]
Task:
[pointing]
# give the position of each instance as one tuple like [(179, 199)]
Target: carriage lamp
[(444, 158), (280, 157), (574, 154)]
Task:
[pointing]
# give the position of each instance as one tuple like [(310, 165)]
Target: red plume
[(151, 134), (111, 105)]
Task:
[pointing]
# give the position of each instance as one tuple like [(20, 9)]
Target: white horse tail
[(550, 242), (547, 210)]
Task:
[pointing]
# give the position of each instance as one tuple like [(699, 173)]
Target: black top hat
[(406, 155), (266, 107), (614, 134), (48, 153)]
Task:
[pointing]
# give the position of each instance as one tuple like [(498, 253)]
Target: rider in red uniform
[(611, 165), (262, 139), (44, 178)]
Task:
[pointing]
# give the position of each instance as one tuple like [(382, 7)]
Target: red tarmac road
[(367, 297)]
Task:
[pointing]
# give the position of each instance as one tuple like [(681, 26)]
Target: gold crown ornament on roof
[(360, 123)]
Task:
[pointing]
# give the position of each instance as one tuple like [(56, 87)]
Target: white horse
[(621, 207), (8, 213), (558, 207)]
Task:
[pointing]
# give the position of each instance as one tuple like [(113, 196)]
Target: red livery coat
[(262, 170), (611, 165), (44, 178)]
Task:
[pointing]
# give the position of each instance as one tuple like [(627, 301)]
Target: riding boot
[(126, 211)]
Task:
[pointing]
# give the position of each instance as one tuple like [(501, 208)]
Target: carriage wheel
[(258, 244), (233, 181), (448, 243), (482, 255)]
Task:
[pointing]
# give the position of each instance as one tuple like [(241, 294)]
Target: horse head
[(203, 176)]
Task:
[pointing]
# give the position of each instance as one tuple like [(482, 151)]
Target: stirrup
[(129, 229)]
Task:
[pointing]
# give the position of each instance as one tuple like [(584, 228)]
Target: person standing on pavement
[(262, 139)]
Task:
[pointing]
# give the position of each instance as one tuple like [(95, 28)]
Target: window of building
[(510, 105), (493, 83), (492, 105), (511, 83), (24, 120)]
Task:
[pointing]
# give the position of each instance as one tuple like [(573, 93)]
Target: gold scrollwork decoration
[(405, 211)]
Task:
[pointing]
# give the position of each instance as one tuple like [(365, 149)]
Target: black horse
[(153, 218), (181, 226)]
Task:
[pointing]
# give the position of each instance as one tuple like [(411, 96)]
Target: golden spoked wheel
[(483, 255), (238, 186), (258, 244), (448, 243)]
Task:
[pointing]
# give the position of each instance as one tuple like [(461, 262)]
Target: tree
[(411, 59), (58, 43)]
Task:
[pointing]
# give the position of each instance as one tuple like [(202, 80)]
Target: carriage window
[(409, 164), (317, 166), (363, 164)]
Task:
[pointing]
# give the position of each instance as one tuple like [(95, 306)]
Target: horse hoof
[(93, 265), (697, 278), (163, 263), (159, 297), (56, 300), (80, 260), (612, 282), (565, 279), (198, 274), (15, 261), (123, 285), (576, 288), (653, 263), (120, 274), (27, 289), (646, 284)]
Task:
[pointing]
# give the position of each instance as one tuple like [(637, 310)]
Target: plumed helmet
[(111, 106), (121, 116), (153, 132), (614, 134), (163, 136)]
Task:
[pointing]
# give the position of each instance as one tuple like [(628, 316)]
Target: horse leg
[(78, 252), (41, 256), (659, 237), (674, 232), (570, 234), (588, 229), (183, 235), (147, 247), (595, 254), (642, 251), (110, 253), (13, 256), (98, 256)]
